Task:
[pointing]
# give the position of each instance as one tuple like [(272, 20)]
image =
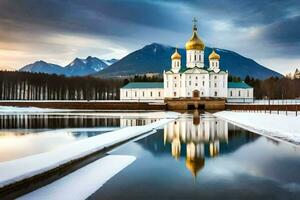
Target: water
[(26, 134), (205, 158)]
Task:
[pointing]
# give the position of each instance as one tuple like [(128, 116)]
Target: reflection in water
[(193, 135), (25, 121), (27, 134)]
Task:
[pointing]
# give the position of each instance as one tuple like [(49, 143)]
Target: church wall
[(218, 85), (142, 94), (240, 95)]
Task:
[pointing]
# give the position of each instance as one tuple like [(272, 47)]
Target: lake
[(202, 157)]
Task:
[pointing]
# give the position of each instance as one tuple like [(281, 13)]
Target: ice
[(84, 181), (279, 127)]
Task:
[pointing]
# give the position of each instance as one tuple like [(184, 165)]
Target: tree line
[(274, 87), (39, 86)]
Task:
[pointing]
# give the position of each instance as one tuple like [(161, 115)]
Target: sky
[(57, 31)]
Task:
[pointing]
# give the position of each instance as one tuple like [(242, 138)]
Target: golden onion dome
[(194, 43), (194, 165), (176, 55), (214, 56)]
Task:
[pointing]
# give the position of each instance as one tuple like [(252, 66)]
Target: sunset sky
[(57, 31)]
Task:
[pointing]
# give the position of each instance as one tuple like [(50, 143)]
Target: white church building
[(194, 80)]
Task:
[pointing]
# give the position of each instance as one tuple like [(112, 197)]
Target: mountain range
[(78, 67), (155, 58), (152, 58)]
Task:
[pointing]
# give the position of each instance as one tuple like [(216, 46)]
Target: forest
[(38, 86)]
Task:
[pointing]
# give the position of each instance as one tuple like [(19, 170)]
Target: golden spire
[(176, 55), (195, 43), (214, 56)]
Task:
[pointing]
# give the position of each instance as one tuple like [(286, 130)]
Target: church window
[(216, 94), (239, 93), (159, 94), (196, 77), (199, 57), (174, 94), (212, 63), (135, 94), (195, 57), (126, 94), (190, 77), (248, 93), (190, 57), (190, 82), (151, 93), (202, 93), (143, 93), (216, 77), (196, 84), (231, 93), (202, 83), (175, 77), (175, 85), (215, 84)]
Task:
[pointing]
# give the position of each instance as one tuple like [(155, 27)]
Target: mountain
[(78, 67), (83, 67), (156, 58), (43, 67)]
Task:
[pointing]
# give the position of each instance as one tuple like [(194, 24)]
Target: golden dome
[(194, 43), (214, 56), (176, 55), (194, 165)]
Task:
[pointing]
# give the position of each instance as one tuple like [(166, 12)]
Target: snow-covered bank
[(280, 127), (83, 182), (17, 170)]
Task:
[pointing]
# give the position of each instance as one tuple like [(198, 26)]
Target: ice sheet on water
[(84, 181)]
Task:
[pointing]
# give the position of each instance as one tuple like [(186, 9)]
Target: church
[(192, 80)]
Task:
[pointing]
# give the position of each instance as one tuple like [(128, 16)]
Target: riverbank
[(280, 127)]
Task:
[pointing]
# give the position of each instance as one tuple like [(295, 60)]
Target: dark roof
[(144, 85), (238, 85)]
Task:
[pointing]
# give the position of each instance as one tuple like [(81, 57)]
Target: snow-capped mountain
[(78, 67), (43, 67)]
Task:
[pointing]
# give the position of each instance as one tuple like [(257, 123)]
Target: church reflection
[(192, 137)]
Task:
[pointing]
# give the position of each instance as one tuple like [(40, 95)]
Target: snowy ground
[(23, 168), (83, 182), (286, 128)]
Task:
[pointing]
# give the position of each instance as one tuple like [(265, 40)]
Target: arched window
[(216, 94), (239, 93), (195, 57), (231, 93)]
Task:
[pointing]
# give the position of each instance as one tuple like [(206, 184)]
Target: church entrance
[(196, 93)]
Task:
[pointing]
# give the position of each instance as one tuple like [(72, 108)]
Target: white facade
[(195, 80), (240, 95), (142, 91)]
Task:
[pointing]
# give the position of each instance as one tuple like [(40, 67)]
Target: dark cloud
[(139, 22)]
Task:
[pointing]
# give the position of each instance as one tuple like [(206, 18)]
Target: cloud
[(56, 29)]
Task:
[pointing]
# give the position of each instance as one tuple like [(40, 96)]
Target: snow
[(23, 168), (83, 182), (280, 127)]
